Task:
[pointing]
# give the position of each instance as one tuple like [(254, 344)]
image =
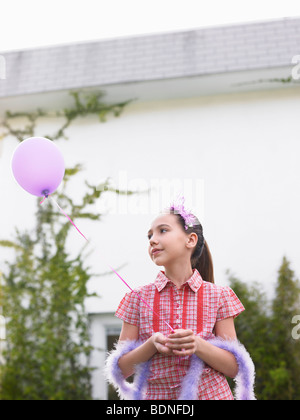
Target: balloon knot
[(46, 195)]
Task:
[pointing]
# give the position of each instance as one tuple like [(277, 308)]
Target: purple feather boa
[(244, 381)]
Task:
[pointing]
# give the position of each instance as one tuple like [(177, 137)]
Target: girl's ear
[(192, 240)]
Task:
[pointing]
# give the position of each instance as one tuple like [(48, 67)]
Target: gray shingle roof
[(187, 53)]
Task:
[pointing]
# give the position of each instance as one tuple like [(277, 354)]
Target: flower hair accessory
[(178, 208)]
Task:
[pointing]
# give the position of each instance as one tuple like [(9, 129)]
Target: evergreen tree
[(285, 375), (253, 328), (265, 328)]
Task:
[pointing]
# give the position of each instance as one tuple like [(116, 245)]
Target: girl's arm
[(185, 343), (221, 360), (144, 352)]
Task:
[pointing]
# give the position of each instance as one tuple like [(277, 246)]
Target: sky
[(34, 23)]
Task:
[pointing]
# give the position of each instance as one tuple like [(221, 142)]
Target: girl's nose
[(153, 240)]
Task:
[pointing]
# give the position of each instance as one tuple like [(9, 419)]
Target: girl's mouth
[(156, 252)]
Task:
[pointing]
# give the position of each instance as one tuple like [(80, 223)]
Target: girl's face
[(168, 242)]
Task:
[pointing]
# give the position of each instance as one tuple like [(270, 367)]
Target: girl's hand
[(182, 342), (159, 341)]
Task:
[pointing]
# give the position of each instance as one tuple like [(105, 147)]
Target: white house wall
[(234, 156), (243, 149)]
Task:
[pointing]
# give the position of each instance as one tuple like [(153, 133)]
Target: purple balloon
[(38, 166)]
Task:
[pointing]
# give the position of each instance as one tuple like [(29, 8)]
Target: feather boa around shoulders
[(244, 381)]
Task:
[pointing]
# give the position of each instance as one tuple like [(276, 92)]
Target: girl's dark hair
[(201, 258)]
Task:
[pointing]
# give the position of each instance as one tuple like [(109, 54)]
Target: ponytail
[(201, 258), (204, 264)]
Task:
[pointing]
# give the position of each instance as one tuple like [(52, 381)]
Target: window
[(112, 336)]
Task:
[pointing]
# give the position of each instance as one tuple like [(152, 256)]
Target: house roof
[(139, 59)]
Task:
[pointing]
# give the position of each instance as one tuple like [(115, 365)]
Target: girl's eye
[(161, 231)]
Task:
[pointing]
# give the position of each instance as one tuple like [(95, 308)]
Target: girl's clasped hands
[(180, 343)]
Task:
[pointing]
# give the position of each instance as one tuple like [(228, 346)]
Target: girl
[(188, 311)]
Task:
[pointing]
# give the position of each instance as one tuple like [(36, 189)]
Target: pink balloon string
[(171, 328), (65, 214), (71, 221)]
